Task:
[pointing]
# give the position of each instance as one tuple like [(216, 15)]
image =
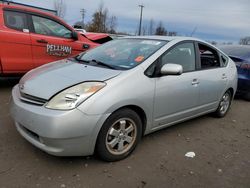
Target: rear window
[(240, 51), (15, 20)]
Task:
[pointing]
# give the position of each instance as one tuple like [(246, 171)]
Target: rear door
[(51, 40), (213, 76), (15, 42)]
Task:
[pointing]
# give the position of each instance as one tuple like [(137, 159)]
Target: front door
[(177, 96), (52, 41)]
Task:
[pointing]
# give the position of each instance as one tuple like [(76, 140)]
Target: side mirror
[(74, 35), (171, 69)]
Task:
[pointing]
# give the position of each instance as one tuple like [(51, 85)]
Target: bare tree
[(144, 29), (172, 33), (112, 24), (101, 22), (245, 41), (60, 7), (151, 27), (160, 30)]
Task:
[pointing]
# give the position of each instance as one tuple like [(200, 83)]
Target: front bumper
[(61, 133)]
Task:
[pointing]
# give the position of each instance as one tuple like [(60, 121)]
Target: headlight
[(72, 97)]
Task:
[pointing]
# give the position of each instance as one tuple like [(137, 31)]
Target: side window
[(46, 26), (15, 20), (208, 57), (182, 54), (224, 60)]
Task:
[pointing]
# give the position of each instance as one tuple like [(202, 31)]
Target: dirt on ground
[(221, 147)]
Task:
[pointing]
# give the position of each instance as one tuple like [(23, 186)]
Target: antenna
[(193, 32)]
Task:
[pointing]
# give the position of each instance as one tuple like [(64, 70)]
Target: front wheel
[(224, 105), (119, 135)]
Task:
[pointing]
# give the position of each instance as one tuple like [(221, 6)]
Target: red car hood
[(97, 37)]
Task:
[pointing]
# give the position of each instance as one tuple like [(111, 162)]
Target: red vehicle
[(30, 38)]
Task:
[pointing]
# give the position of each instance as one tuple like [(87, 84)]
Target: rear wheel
[(119, 135), (224, 104)]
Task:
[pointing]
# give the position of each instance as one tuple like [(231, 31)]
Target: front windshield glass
[(123, 53)]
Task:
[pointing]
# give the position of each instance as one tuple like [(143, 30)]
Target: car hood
[(49, 79)]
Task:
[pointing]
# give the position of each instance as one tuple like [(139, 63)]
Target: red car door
[(15, 43), (52, 41)]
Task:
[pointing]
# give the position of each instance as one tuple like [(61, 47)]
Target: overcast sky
[(219, 20)]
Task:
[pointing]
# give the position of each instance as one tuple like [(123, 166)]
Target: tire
[(119, 135), (247, 96), (224, 105)]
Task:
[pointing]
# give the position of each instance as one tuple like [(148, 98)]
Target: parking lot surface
[(221, 147)]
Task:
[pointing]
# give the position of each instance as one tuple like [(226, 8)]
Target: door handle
[(195, 82), (42, 41), (224, 76)]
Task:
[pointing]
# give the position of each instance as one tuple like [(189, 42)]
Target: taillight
[(238, 63), (245, 66)]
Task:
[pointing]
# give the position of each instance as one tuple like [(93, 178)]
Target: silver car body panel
[(54, 131), (165, 100), (60, 75)]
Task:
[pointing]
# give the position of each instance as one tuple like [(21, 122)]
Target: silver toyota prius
[(104, 100)]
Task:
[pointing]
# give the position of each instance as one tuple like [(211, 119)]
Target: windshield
[(123, 53)]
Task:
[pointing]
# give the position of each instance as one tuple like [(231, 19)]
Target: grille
[(30, 133), (32, 99)]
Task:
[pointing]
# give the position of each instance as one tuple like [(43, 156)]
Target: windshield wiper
[(94, 61), (102, 64), (77, 58)]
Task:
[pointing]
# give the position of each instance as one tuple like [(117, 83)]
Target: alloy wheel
[(121, 136), (225, 103)]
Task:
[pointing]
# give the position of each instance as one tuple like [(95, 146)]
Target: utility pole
[(141, 6), (83, 15)]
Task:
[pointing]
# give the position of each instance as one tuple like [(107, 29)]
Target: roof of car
[(34, 10), (30, 9), (166, 38)]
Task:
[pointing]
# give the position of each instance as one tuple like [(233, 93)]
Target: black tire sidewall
[(101, 149), (218, 112)]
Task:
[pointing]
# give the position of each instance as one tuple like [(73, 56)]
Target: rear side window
[(46, 26), (224, 60), (208, 57), (15, 20)]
